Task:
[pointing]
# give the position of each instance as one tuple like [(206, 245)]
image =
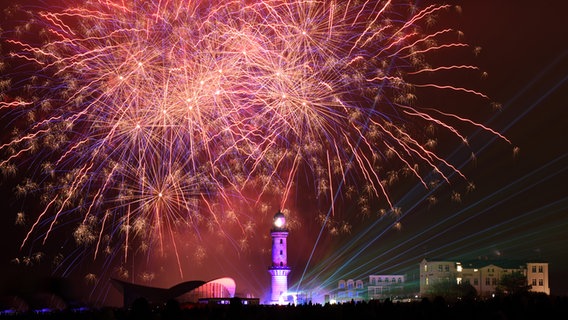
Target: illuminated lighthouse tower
[(279, 269)]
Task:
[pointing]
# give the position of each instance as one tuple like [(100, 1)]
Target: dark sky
[(519, 209), (520, 206)]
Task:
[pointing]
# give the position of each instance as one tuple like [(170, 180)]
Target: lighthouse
[(279, 270)]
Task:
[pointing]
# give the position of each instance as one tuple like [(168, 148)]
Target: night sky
[(518, 209)]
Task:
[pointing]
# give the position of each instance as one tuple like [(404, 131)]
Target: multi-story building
[(437, 271), (385, 286), (350, 290), (537, 276), (379, 287), (483, 275)]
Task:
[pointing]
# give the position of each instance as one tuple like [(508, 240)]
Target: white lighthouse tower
[(279, 269)]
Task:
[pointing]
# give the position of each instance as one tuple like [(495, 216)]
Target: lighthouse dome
[(279, 220)]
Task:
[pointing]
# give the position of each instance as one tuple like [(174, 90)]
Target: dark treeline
[(502, 308)]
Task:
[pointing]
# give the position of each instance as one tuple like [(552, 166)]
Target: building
[(350, 290), (279, 269), (379, 287), (483, 275), (537, 276), (185, 293), (386, 286), (437, 271)]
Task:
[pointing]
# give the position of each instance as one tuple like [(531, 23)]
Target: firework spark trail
[(155, 113)]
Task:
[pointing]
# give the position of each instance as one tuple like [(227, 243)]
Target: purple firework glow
[(134, 121)]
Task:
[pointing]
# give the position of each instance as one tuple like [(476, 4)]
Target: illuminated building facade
[(185, 293), (483, 275), (379, 287), (537, 276), (279, 269), (385, 286), (350, 290)]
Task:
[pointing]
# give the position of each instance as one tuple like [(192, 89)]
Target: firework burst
[(149, 116)]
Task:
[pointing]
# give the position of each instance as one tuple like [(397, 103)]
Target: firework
[(151, 115)]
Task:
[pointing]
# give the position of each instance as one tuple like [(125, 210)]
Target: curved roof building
[(185, 292)]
